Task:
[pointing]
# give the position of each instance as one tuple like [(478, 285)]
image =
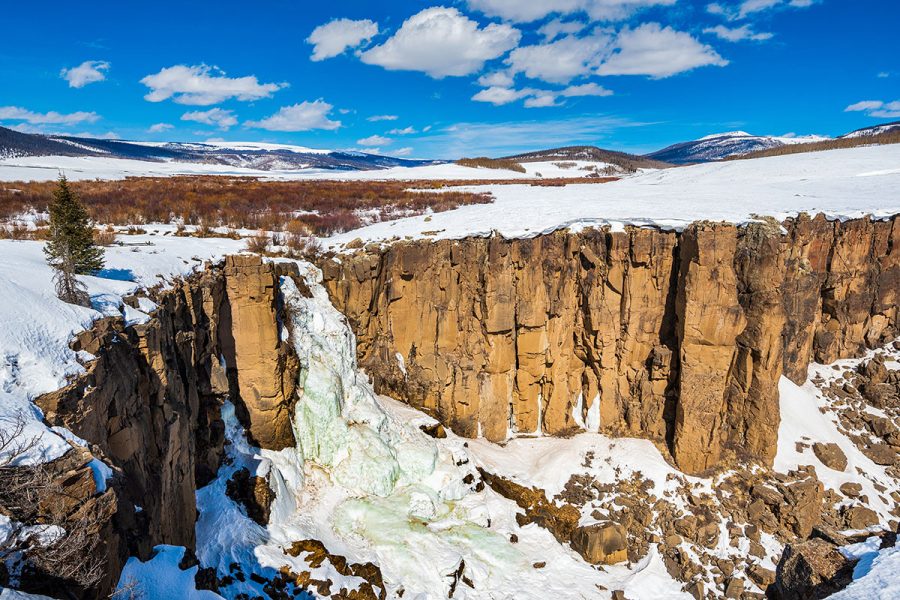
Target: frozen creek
[(371, 486)]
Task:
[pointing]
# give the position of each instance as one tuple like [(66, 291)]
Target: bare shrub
[(45, 534), (483, 162), (105, 237), (302, 246), (259, 242)]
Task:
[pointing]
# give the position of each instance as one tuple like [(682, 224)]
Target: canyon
[(680, 338)]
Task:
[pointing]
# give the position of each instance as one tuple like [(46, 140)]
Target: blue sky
[(468, 77)]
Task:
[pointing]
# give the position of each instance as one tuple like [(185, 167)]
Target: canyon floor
[(375, 498)]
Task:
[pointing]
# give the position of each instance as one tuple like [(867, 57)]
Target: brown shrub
[(259, 242), (483, 162), (105, 237)]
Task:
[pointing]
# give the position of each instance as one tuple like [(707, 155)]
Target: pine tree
[(71, 244)]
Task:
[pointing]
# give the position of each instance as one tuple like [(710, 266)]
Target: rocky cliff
[(149, 404), (676, 337)]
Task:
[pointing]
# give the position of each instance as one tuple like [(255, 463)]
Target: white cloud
[(334, 38), (16, 113), (541, 100), (498, 96), (406, 151), (750, 7), (376, 118), (557, 27), (374, 140), (883, 75), (525, 11), (442, 42), (657, 51), (405, 131), (586, 89), (737, 34), (496, 79), (202, 85), (90, 71), (223, 119), (160, 127), (562, 60), (536, 98), (877, 109), (299, 117)]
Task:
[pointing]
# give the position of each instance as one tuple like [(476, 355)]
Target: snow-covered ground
[(840, 183), (36, 327), (81, 168)]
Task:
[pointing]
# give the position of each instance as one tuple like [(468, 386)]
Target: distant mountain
[(725, 145), (261, 156), (874, 130), (590, 154)]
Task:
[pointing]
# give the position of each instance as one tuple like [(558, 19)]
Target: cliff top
[(840, 183)]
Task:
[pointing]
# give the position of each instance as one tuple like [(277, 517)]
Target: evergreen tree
[(71, 245)]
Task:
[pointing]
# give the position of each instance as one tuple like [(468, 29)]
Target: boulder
[(881, 454), (603, 543), (811, 570), (831, 456)]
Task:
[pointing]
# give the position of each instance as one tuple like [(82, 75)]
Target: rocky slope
[(676, 337)]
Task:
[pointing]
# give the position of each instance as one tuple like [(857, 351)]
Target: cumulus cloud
[(223, 119), (498, 96), (877, 109), (538, 98), (442, 42), (202, 85), (160, 127), (586, 89), (90, 71), (541, 100), (305, 116), (737, 34), (405, 131), (374, 140), (526, 11), (17, 113), (376, 118), (562, 60), (336, 37), (657, 51)]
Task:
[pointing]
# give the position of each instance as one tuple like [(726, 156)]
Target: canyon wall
[(149, 405), (676, 337)]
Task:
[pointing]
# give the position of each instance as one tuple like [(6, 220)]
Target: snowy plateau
[(368, 483)]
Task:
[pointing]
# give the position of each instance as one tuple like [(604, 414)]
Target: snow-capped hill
[(719, 146), (893, 127), (247, 155)]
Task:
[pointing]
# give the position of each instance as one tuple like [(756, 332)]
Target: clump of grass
[(483, 162)]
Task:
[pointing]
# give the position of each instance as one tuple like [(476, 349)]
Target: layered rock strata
[(679, 337), (149, 404)]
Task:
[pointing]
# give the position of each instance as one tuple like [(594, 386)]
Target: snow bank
[(876, 577), (160, 578), (806, 418), (840, 183), (36, 327)]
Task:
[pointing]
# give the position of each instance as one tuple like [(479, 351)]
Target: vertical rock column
[(710, 318), (264, 367)]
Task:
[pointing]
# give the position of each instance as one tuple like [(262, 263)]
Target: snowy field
[(83, 168), (840, 183)]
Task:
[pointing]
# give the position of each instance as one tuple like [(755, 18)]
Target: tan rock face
[(151, 402), (679, 338), (265, 367)]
